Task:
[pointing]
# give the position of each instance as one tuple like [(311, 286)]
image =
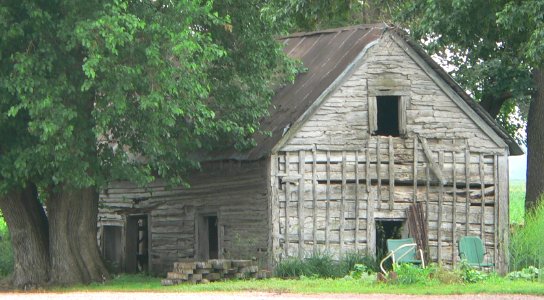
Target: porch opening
[(137, 254), (208, 237), (387, 229)]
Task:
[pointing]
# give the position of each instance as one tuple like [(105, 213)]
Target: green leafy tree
[(94, 91), (496, 47), (309, 15)]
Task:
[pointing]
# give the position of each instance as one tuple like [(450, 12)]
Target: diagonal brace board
[(434, 167)]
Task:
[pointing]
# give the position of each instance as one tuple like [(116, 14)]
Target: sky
[(517, 165)]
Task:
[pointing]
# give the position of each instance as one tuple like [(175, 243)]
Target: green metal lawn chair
[(402, 251), (472, 249)]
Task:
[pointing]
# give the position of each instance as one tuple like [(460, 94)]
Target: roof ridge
[(336, 30)]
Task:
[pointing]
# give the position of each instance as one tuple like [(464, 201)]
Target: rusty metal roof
[(326, 55)]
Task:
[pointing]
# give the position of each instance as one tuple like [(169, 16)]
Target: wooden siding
[(331, 199), (236, 192), (343, 119)]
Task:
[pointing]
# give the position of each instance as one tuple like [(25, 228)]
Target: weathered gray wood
[(371, 225), (415, 169), (301, 218), (367, 170), (482, 211), (343, 204), (328, 195), (391, 173), (379, 171), (496, 208), (403, 105), (434, 167), (357, 200), (372, 114), (273, 212), (287, 203), (440, 208), (503, 222), (314, 198), (467, 188), (427, 191), (454, 214), (450, 92)]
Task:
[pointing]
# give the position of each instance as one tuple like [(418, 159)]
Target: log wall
[(236, 192)]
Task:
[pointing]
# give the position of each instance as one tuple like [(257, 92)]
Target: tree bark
[(535, 143), (72, 225), (27, 225), (494, 104)]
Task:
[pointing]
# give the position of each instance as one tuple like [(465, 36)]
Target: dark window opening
[(388, 115)]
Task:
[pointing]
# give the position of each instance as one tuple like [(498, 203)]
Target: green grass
[(517, 202), (6, 253), (138, 283)]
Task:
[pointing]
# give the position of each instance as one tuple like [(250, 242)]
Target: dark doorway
[(111, 247), (213, 237), (208, 237), (386, 229), (388, 115), (137, 255)]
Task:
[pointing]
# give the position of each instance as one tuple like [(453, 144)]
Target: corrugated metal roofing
[(326, 54)]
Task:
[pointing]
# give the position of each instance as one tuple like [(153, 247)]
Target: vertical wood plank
[(372, 114), (367, 168), (379, 172), (370, 243), (274, 212), (482, 189), (454, 212), (440, 208), (391, 174), (314, 196), (356, 200), (403, 101), (300, 208), (343, 205), (414, 198), (371, 224), (427, 192), (287, 202), (495, 207), (327, 203), (467, 188), (504, 221)]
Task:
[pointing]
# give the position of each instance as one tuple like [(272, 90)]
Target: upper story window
[(387, 115)]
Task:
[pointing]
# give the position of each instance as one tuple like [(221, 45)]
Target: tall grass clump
[(527, 241), (6, 252), (323, 265), (517, 202), (352, 258), (291, 268)]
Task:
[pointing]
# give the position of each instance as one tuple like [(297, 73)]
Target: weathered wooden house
[(373, 127)]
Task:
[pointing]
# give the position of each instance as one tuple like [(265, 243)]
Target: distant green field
[(517, 202)]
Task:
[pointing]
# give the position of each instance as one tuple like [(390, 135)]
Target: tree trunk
[(73, 247), (535, 143), (27, 225)]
